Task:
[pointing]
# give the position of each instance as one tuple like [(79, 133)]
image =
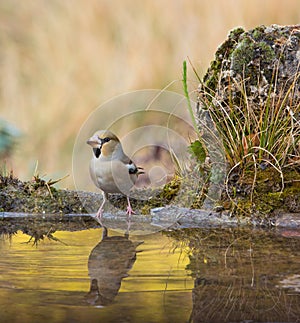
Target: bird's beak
[(94, 141)]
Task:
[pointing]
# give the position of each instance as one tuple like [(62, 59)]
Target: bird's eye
[(106, 139)]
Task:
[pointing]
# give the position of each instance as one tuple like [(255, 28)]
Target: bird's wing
[(125, 159), (132, 168)]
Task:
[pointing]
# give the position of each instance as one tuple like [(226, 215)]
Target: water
[(194, 275)]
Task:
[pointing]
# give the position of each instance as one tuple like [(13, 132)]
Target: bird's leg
[(100, 211), (129, 208), (129, 212)]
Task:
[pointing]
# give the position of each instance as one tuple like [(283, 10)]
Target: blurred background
[(61, 59)]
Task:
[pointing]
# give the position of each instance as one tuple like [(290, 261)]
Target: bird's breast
[(112, 176)]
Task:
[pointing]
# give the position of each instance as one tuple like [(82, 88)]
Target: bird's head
[(104, 143)]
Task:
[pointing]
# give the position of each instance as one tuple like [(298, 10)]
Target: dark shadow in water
[(242, 275), (109, 262), (42, 226)]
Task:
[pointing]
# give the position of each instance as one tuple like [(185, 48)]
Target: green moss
[(267, 203), (244, 53), (171, 189), (145, 209), (247, 56), (164, 196), (258, 32), (224, 51), (266, 196)]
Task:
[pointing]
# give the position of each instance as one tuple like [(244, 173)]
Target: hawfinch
[(110, 169)]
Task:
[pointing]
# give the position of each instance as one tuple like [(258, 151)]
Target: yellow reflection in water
[(51, 280), (63, 265)]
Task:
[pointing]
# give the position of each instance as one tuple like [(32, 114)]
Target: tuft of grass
[(265, 133), (255, 135)]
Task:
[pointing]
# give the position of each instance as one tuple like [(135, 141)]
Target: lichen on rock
[(266, 56)]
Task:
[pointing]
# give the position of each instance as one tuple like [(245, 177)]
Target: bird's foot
[(129, 210)]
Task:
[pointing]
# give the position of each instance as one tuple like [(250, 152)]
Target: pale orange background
[(61, 59)]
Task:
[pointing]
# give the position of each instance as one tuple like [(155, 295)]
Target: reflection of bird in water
[(108, 264), (111, 170)]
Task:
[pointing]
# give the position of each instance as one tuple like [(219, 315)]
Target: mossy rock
[(252, 93), (266, 56), (36, 196)]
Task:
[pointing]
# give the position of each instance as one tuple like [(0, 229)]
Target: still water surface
[(191, 275)]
